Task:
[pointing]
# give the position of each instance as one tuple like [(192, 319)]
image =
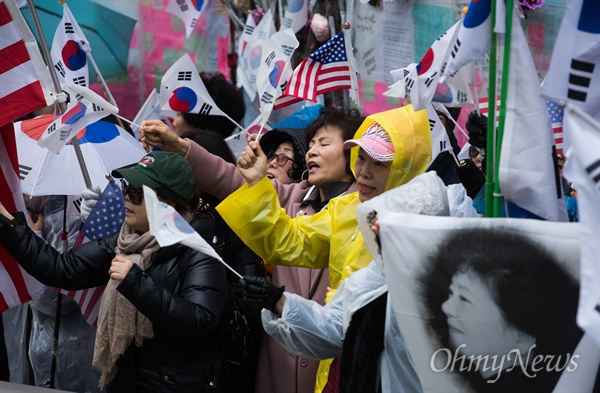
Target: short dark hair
[(348, 120), (527, 283), (227, 97)]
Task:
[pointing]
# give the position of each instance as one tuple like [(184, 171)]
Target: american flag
[(25, 83), (555, 110), (105, 220), (329, 68), (16, 286), (484, 108)]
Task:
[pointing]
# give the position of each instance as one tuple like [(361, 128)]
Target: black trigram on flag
[(286, 22), (182, 5), (52, 128), (431, 124), (184, 76), (442, 145), (60, 68), (580, 78), (249, 29), (266, 98), (24, 171), (77, 203), (80, 80), (430, 80), (96, 108), (64, 134), (205, 109), (455, 48), (287, 50), (69, 28), (269, 59), (461, 97), (78, 97), (594, 171), (283, 86), (193, 23), (408, 85)]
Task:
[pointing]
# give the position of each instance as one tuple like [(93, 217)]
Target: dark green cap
[(160, 169)]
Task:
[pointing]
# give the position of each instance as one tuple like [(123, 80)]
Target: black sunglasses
[(136, 195), (281, 159)]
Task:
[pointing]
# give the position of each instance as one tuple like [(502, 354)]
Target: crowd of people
[(283, 215)]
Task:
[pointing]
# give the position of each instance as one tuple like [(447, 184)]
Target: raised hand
[(252, 163), (119, 268), (155, 133)]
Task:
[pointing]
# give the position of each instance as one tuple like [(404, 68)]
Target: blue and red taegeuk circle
[(183, 99), (478, 12), (73, 56)]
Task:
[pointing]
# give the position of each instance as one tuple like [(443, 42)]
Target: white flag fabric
[(168, 227), (243, 43), (296, 15), (527, 174), (473, 38), (574, 73), (420, 81), (150, 110), (182, 90), (250, 60), (275, 69), (79, 115), (583, 167), (439, 137), (446, 277), (188, 11), (69, 52)]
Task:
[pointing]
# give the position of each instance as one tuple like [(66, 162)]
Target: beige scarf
[(119, 322)]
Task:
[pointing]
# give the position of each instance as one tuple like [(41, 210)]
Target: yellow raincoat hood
[(411, 136)]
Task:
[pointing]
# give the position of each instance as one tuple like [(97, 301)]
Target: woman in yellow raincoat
[(330, 238)]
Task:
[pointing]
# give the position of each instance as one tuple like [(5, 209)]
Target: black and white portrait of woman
[(496, 296), (485, 305)]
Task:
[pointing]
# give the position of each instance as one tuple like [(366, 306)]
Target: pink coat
[(278, 370)]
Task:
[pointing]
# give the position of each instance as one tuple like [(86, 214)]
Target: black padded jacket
[(184, 307)]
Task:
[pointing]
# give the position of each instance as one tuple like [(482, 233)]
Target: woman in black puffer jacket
[(160, 311)]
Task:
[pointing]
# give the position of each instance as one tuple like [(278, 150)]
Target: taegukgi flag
[(182, 90), (79, 115), (188, 11), (583, 167), (295, 16), (275, 69), (527, 174), (420, 81), (473, 38), (251, 57), (574, 73), (69, 52), (439, 137)]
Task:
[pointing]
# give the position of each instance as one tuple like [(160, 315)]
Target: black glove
[(477, 127), (261, 291), (471, 177)]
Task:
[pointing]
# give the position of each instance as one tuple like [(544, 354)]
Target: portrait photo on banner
[(485, 305)]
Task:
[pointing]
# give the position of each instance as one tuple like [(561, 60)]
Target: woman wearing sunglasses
[(157, 325), (285, 149), (328, 176)]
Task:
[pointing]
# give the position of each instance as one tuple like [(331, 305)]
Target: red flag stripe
[(12, 56), (94, 301), (5, 17), (30, 97)]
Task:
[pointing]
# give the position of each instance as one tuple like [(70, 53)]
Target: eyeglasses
[(281, 159), (136, 195)]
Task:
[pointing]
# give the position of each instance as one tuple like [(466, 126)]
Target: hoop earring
[(302, 176)]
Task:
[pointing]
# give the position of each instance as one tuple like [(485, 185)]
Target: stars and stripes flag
[(555, 111), (69, 52), (105, 220), (188, 11), (16, 286), (25, 83), (574, 72), (331, 67)]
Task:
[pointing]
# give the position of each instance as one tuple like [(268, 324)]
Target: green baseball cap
[(160, 169)]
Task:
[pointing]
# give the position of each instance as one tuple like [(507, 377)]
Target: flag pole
[(491, 126), (503, 96), (59, 93)]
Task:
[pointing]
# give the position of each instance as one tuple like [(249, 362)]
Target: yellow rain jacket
[(329, 238)]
